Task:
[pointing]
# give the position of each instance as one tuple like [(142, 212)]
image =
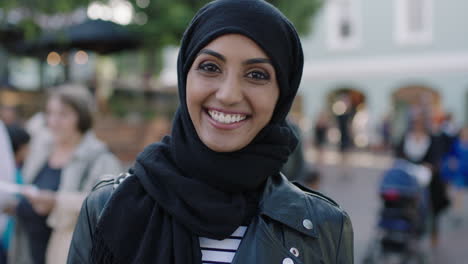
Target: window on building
[(343, 19), (413, 21)]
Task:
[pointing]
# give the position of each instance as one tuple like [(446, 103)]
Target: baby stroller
[(402, 218)]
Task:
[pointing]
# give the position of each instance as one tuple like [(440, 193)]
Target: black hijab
[(181, 189)]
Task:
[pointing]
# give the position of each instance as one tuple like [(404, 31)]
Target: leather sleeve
[(80, 248), (345, 251)]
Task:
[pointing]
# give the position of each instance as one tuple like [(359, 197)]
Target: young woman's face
[(231, 92), (62, 120)]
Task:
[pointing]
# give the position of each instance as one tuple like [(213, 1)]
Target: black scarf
[(181, 189)]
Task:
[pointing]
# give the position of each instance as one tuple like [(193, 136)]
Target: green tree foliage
[(166, 20), (44, 6), (30, 9)]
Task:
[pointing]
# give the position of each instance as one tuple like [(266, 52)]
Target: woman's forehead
[(235, 44)]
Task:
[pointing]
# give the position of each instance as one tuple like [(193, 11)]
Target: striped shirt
[(221, 251)]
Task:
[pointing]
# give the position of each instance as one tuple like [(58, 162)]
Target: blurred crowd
[(52, 161), (49, 165), (420, 136)]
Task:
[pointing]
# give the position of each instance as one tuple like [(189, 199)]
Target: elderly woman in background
[(63, 166)]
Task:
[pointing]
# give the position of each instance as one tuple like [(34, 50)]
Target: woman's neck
[(63, 150), (68, 142)]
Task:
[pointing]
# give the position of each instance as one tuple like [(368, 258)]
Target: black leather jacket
[(295, 226)]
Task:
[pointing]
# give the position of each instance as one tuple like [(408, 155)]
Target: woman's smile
[(226, 120)]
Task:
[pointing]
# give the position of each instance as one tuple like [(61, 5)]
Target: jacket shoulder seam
[(316, 194), (115, 181), (103, 183), (323, 198)]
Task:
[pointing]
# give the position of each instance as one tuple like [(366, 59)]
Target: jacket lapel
[(286, 204), (260, 246), (282, 201)]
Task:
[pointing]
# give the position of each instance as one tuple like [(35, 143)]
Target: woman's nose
[(230, 91)]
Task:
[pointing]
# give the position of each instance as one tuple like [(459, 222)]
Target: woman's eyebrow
[(257, 60), (212, 53), (221, 57)]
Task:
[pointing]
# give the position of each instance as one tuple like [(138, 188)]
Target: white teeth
[(226, 118)]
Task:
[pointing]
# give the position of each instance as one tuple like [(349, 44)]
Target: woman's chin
[(223, 145)]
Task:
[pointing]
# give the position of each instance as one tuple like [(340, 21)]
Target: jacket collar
[(282, 201), (89, 144)]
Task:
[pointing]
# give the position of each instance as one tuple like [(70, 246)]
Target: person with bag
[(63, 165), (212, 191)]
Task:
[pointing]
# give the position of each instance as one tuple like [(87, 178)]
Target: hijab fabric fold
[(181, 189)]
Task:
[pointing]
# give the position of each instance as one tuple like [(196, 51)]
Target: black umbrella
[(10, 34), (94, 35)]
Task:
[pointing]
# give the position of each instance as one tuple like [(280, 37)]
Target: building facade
[(388, 52)]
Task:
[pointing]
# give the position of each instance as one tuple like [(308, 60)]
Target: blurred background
[(371, 69)]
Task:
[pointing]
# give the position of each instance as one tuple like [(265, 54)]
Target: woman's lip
[(226, 111), (224, 126)]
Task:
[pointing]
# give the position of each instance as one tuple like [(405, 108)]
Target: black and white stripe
[(221, 251)]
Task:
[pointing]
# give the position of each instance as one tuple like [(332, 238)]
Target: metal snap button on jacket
[(288, 261), (294, 251), (307, 224)]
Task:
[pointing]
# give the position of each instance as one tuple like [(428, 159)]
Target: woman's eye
[(258, 75), (209, 67)]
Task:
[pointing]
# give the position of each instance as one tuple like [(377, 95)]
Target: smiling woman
[(212, 191), (231, 92)]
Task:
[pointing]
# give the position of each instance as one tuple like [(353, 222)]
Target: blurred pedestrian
[(63, 166), (7, 164), (456, 164), (19, 139), (7, 174), (320, 135), (420, 147), (343, 120), (9, 114), (216, 179), (344, 114), (449, 131), (386, 132)]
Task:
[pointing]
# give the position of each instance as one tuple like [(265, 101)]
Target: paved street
[(357, 194)]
